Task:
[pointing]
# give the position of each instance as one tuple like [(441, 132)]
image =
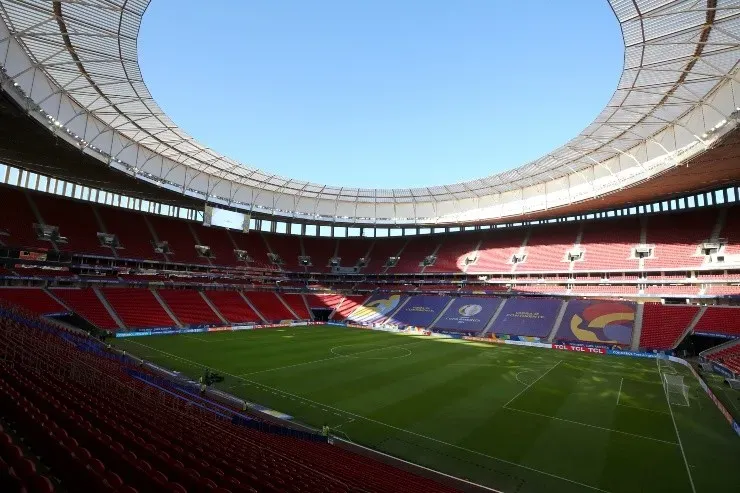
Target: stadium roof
[(74, 66)]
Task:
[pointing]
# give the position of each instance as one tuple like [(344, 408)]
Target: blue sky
[(381, 93)]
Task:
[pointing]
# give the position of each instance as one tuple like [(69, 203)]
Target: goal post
[(676, 390)]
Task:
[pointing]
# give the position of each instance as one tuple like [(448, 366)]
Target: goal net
[(676, 391)]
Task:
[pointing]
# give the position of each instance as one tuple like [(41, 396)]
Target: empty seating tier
[(321, 250), (232, 306), (454, 251), (220, 243), (381, 250), (269, 305), (189, 306), (663, 325), (132, 232), (297, 304), (677, 237), (104, 428), (81, 233), (86, 304), (351, 250), (548, 246), (414, 253), (496, 251), (179, 238), (138, 308), (730, 357), (608, 245), (720, 320), (34, 300), (17, 220)]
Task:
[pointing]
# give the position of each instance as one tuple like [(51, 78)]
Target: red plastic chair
[(40, 484)]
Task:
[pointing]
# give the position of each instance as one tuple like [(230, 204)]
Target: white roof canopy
[(74, 65)]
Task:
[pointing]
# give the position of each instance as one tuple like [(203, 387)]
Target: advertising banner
[(544, 345), (580, 349), (633, 354), (715, 334), (468, 314), (158, 332), (717, 368), (420, 311), (376, 308), (596, 321), (485, 339), (527, 317)]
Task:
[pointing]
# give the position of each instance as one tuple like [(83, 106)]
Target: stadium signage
[(158, 332), (634, 354), (484, 339), (713, 334), (722, 370), (580, 349)]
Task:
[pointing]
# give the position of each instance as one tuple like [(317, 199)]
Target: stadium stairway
[(253, 307), (109, 308), (558, 321), (213, 307), (441, 313), (167, 308), (231, 306), (493, 319)]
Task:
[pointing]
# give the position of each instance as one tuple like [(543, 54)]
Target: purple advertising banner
[(468, 314), (527, 317), (376, 308), (420, 311), (597, 321)]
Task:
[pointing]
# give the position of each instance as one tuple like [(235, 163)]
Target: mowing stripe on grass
[(589, 426), (325, 406), (338, 356)]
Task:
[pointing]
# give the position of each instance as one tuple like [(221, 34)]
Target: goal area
[(676, 390)]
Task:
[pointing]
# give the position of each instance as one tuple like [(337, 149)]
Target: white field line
[(528, 386), (678, 435), (619, 395), (338, 356), (370, 420), (611, 430), (199, 339), (643, 409), (524, 371)]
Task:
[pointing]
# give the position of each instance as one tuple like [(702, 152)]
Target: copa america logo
[(469, 310)]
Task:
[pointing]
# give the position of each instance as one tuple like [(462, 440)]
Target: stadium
[(172, 319)]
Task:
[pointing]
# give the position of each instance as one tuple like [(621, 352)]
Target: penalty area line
[(611, 430)]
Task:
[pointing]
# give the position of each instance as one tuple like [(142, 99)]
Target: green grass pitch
[(514, 418)]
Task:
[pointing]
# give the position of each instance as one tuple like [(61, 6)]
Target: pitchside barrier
[(161, 331)]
